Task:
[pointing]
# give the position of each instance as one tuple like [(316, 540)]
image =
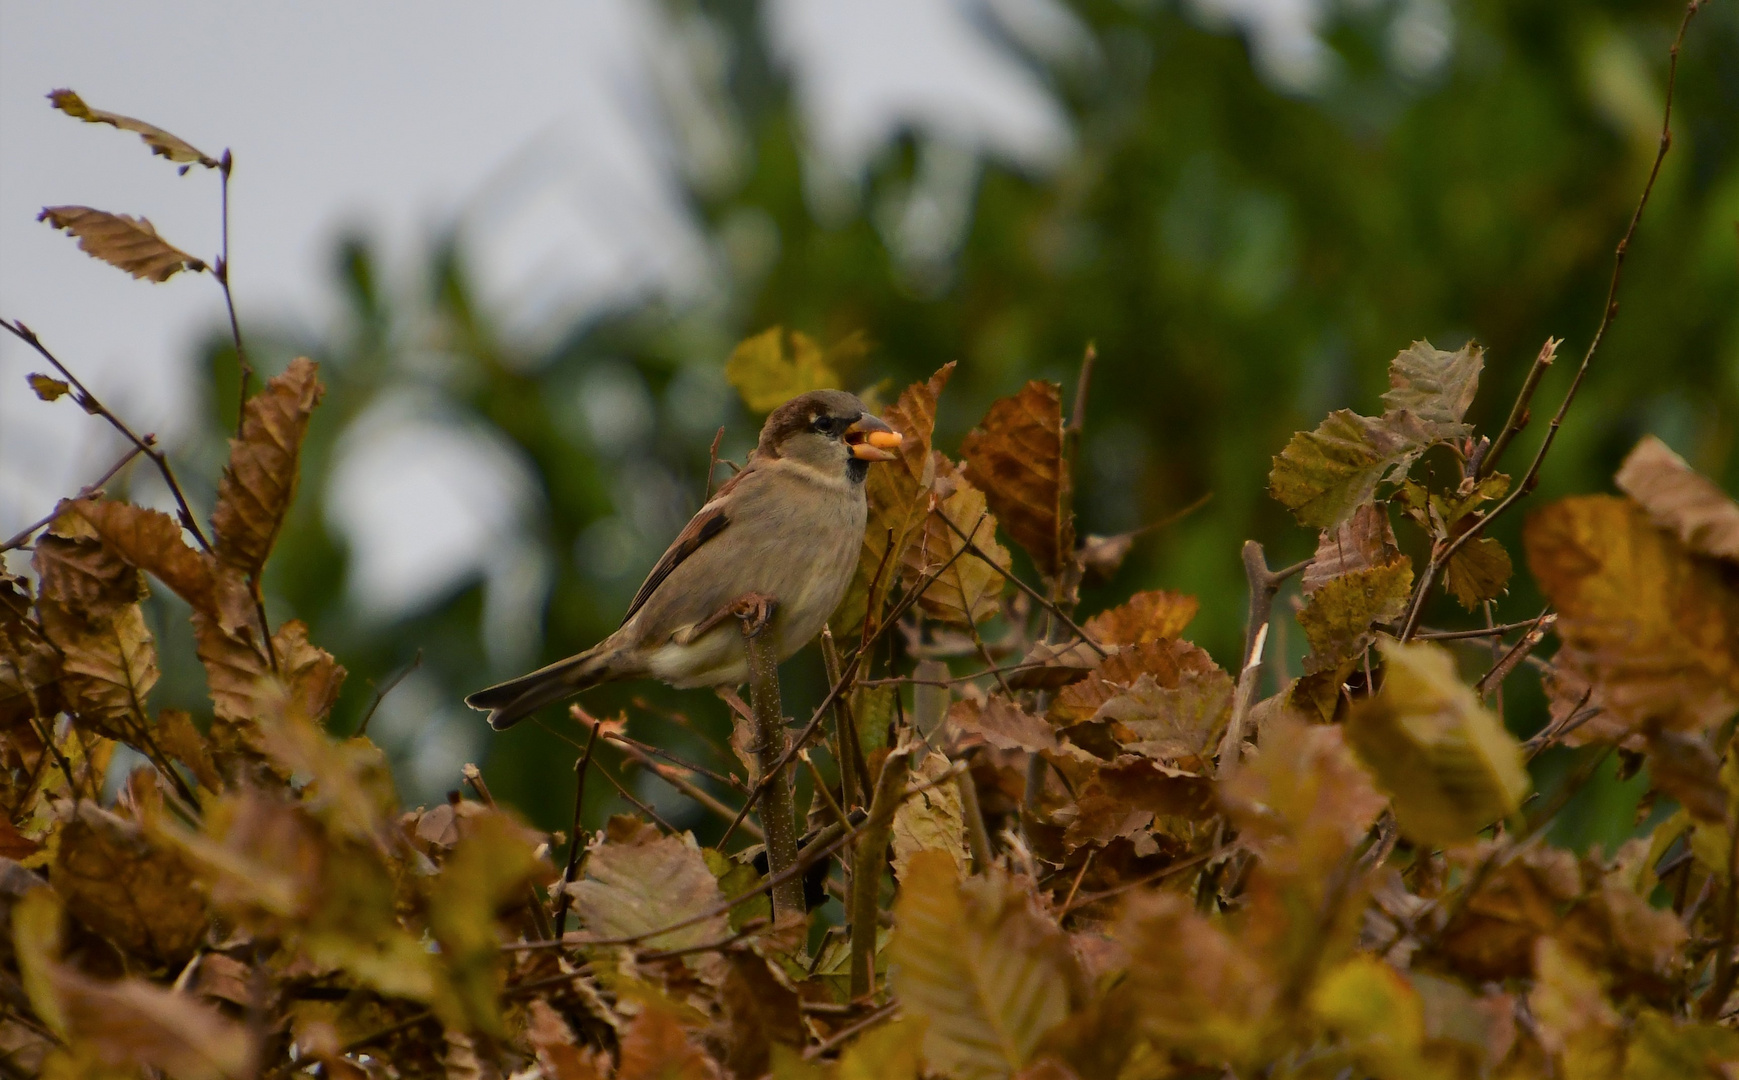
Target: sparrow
[(788, 528)]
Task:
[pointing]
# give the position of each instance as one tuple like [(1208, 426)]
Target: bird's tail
[(512, 701)]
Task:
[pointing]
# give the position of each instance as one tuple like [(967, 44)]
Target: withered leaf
[(1654, 631), (175, 733), (491, 864), (559, 1054), (1681, 500), (116, 882), (655, 1047), (1305, 800), (161, 142), (48, 389), (1002, 723), (969, 590), (1199, 992), (152, 541), (644, 883), (1015, 456), (1445, 760), (1144, 617), (898, 495), (81, 576), (1435, 386), (1322, 476), (1165, 660), (138, 1022), (931, 820), (973, 958), (260, 481), (773, 367), (1365, 539), (1338, 619), (1179, 724), (127, 243), (1480, 571), (107, 668), (1048, 666)]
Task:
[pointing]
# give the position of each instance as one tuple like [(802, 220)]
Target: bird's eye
[(825, 425)]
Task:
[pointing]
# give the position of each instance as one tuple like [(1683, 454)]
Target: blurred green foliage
[(1245, 261)]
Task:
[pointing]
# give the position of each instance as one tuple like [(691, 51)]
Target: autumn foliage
[(1067, 844)]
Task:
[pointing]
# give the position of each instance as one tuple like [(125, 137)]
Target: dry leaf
[(1338, 619), (48, 389), (645, 883), (1164, 660), (1681, 500), (1364, 540), (1144, 617), (1015, 456), (1002, 724), (969, 590), (127, 243), (931, 820), (259, 483), (1480, 571), (656, 1048), (1435, 386), (115, 882), (160, 141)]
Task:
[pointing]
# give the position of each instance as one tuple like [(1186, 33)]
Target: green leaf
[(1435, 386), (1337, 620), (1322, 476), (48, 389), (986, 970), (1446, 762)]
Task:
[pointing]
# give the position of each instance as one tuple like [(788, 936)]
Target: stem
[(778, 817), (866, 872), (221, 272), (844, 731), (1442, 553), (1519, 412), (22, 536), (1038, 598), (146, 445), (576, 837), (1725, 972), (977, 836)]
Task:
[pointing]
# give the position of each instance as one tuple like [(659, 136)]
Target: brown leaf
[(931, 820), (260, 481), (656, 1048), (970, 589), (644, 883), (491, 864), (29, 668), (1681, 500), (127, 243), (1015, 456), (48, 389), (140, 897), (760, 1012), (1052, 667), (1480, 571), (1655, 631), (175, 733), (1364, 540), (1002, 724), (78, 574), (152, 541), (898, 494), (245, 691), (1305, 800), (160, 141), (1685, 768), (1102, 556), (1165, 660), (1338, 619), (1198, 991), (1178, 724), (1144, 617), (138, 1022), (560, 1055), (108, 668)]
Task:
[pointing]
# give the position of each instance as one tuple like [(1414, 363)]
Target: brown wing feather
[(705, 525)]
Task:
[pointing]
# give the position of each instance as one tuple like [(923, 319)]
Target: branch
[(1037, 597), (778, 817), (22, 536), (575, 844), (220, 270), (1520, 412), (866, 870)]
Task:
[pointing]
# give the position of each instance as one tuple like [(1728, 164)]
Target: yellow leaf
[(1338, 619), (160, 141), (1375, 1011), (491, 864), (1197, 990), (1444, 759), (48, 389), (1654, 631), (1015, 456), (1480, 571), (988, 973), (1574, 1021), (970, 589), (888, 1052), (898, 494), (772, 367), (260, 481), (127, 243), (931, 820), (37, 932)]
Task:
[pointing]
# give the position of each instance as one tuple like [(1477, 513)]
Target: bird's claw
[(755, 611)]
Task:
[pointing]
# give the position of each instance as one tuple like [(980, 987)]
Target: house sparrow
[(787, 528)]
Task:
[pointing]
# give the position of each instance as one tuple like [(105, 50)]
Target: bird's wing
[(708, 523)]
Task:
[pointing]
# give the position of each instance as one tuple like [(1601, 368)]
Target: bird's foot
[(755, 610)]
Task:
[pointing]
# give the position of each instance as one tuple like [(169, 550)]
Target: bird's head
[(829, 430)]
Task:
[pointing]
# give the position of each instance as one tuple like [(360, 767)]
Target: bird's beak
[(871, 439)]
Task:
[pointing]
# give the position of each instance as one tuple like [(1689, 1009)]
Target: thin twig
[(220, 270), (1518, 652), (843, 1035), (1443, 552), (576, 842), (712, 464), (778, 814), (380, 695), (671, 776), (1038, 598), (22, 536), (1726, 972), (1519, 411), (642, 807), (146, 445), (1499, 630), (1147, 879)]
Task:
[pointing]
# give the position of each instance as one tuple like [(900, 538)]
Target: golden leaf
[(898, 494), (48, 389), (931, 820), (1338, 619), (1681, 500), (888, 1052), (1015, 456), (773, 367), (988, 973), (160, 141), (970, 589), (134, 894), (1445, 760), (1654, 631), (1480, 571), (1376, 1013), (151, 540), (260, 481), (1144, 617), (127, 243), (175, 733)]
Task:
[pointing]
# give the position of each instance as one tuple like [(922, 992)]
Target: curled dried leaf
[(1144, 617), (47, 388), (127, 243), (161, 142), (966, 589), (1015, 456), (1680, 499), (259, 483)]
